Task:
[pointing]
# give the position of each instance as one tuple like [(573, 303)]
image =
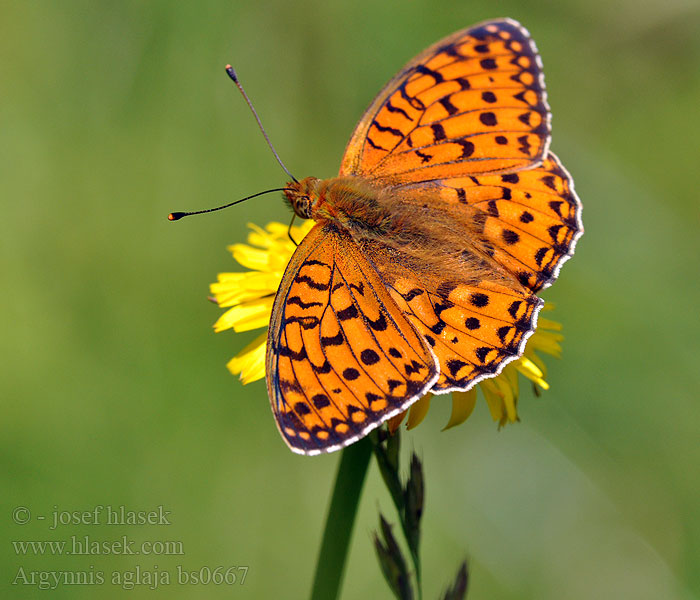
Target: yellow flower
[(249, 297)]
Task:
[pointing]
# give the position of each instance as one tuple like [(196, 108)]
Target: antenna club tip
[(231, 73), (175, 216)]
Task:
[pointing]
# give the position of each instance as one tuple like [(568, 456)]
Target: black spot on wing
[(374, 145), (438, 327), (390, 130), (488, 119), (380, 324), (323, 369), (393, 384), (311, 283), (513, 308), (423, 70), (359, 287), (482, 353), (424, 156), (299, 302), (369, 357), (479, 300), (454, 365), (411, 294), (395, 109), (290, 386), (351, 374), (448, 106), (287, 352), (510, 237), (333, 340), (467, 148), (472, 323), (548, 180), (348, 313), (438, 132), (301, 408), (308, 322)]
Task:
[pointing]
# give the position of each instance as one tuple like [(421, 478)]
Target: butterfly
[(448, 215)]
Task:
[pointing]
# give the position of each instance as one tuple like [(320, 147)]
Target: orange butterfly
[(448, 214)]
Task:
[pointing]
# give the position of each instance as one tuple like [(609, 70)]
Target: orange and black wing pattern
[(473, 103), (531, 218), (342, 358), (474, 329)]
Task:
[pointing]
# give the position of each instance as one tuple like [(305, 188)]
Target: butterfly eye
[(303, 207)]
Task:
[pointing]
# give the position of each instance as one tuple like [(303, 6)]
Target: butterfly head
[(302, 195)]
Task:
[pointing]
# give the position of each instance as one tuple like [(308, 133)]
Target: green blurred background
[(114, 387)]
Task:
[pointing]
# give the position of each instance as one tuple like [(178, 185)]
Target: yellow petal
[(508, 398), (300, 232), (234, 288), (494, 399), (528, 368), (262, 237), (542, 383), (395, 422), (251, 258), (462, 407), (246, 316), (249, 363), (511, 375), (543, 323), (538, 362), (547, 342), (277, 230), (418, 411)]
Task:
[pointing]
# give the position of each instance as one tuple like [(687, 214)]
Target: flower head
[(249, 296)]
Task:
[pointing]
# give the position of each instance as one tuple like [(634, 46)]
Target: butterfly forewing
[(472, 103), (341, 357)]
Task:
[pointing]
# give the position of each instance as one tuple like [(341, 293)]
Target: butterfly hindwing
[(472, 103), (531, 218), (341, 357), (474, 328)]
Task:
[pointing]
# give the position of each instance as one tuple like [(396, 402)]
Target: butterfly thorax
[(411, 226)]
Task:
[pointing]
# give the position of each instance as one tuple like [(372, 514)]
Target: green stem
[(392, 481), (352, 470)]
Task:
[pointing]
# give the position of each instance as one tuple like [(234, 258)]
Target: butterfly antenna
[(175, 216), (234, 78)]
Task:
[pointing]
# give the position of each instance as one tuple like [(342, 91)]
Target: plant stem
[(330, 566), (392, 480)]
